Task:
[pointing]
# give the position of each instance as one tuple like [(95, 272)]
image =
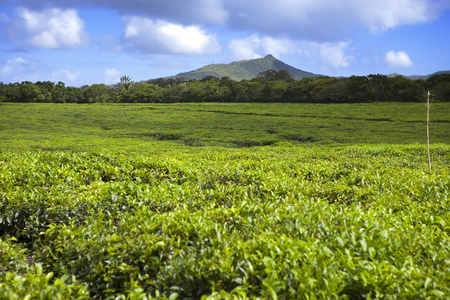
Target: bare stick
[(428, 131)]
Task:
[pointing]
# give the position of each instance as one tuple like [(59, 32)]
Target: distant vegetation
[(230, 125), (256, 80), (268, 86)]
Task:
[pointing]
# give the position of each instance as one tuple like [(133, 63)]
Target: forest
[(269, 86)]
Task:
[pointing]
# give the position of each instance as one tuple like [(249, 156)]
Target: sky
[(98, 41)]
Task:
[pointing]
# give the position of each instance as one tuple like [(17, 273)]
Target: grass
[(138, 126)]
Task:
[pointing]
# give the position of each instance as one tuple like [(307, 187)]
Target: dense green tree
[(60, 92), (126, 82), (255, 91), (97, 93), (237, 91), (141, 93), (276, 75), (405, 90), (441, 91), (270, 86), (439, 85), (25, 92), (299, 91), (167, 82), (274, 90), (196, 92), (329, 90), (175, 93), (208, 78), (378, 88), (358, 89), (4, 88), (72, 95), (47, 89)]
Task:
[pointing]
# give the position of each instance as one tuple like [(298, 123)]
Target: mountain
[(245, 69), (248, 69), (417, 77)]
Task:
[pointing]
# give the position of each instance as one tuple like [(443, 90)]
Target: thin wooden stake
[(428, 131)]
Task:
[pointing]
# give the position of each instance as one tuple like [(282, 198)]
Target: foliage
[(20, 278), (275, 75), (96, 93), (138, 127), (347, 222), (267, 86), (167, 201), (126, 82), (12, 256)]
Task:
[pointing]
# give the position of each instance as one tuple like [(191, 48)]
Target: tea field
[(144, 127), (203, 201)]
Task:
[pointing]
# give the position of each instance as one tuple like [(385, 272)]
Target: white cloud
[(386, 14), (163, 37), (18, 69), (65, 74), (192, 12), (51, 29), (12, 65), (333, 54), (398, 59), (328, 20), (245, 48), (319, 20), (112, 75), (255, 47), (329, 54)]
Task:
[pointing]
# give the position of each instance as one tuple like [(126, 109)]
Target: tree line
[(268, 86)]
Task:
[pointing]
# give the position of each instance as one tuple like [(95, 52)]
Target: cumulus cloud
[(320, 20), (12, 64), (329, 54), (333, 54), (64, 75), (255, 47), (150, 36), (329, 19), (18, 69), (52, 28), (398, 59), (194, 12), (112, 75)]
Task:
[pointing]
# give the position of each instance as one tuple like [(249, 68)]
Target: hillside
[(245, 69), (417, 77), (248, 69)]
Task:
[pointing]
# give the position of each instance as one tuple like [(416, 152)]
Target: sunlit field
[(127, 127), (224, 201)]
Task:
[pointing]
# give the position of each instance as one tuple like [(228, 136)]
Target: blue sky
[(98, 41)]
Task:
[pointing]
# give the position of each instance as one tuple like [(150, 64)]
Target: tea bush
[(351, 222)]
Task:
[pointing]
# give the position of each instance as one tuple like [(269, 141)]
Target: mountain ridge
[(418, 77), (244, 69), (251, 68)]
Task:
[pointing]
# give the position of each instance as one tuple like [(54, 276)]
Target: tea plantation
[(210, 201)]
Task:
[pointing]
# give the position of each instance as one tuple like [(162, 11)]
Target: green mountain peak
[(245, 69)]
